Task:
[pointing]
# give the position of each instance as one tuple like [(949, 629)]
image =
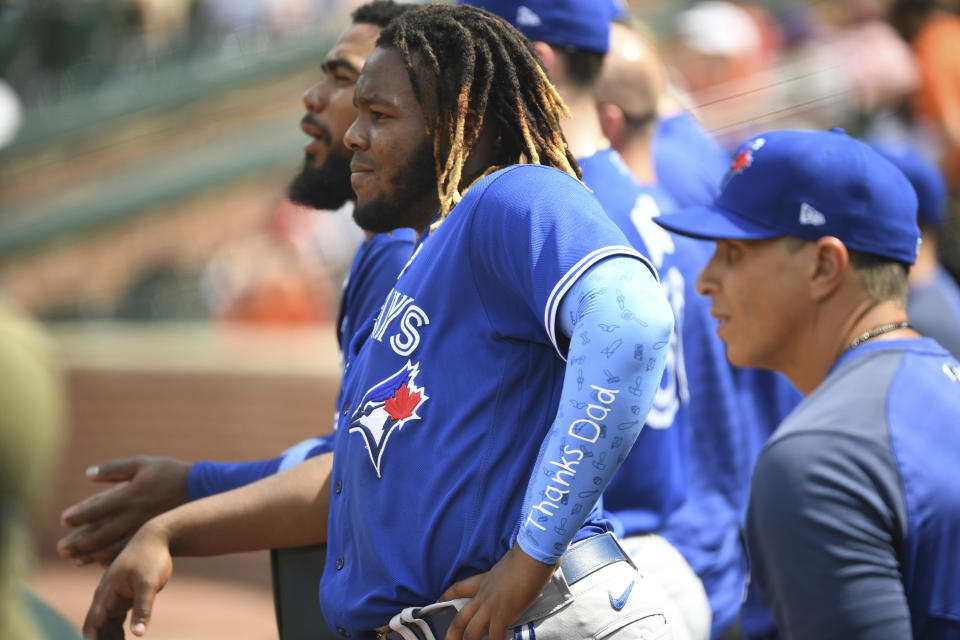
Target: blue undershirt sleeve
[(618, 324), (207, 478)]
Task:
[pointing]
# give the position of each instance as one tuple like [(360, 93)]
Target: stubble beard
[(414, 182)]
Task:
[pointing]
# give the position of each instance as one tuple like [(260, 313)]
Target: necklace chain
[(878, 331)]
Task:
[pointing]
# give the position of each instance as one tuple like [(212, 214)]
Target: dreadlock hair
[(379, 12), (490, 74)]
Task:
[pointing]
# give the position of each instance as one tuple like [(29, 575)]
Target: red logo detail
[(742, 160), (402, 405)]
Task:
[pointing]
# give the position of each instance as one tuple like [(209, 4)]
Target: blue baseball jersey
[(451, 397), (854, 509), (689, 164), (372, 273), (934, 310), (653, 480)]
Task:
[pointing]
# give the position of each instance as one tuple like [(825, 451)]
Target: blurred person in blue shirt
[(934, 301)]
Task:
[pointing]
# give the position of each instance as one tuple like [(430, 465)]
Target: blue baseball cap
[(810, 184), (924, 175), (584, 24)]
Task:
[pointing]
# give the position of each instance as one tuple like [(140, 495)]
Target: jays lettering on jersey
[(451, 397), (372, 273)]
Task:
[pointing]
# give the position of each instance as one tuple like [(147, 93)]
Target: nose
[(315, 98), (355, 138), (706, 283)]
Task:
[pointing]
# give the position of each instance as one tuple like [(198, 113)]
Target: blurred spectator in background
[(795, 66), (274, 278), (880, 79), (934, 33), (50, 50), (716, 42), (934, 302), (31, 426), (11, 114), (687, 163)]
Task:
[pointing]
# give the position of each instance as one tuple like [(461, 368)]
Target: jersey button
[(343, 632), (339, 563), (338, 487)]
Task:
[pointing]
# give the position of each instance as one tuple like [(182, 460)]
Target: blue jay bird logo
[(387, 406)]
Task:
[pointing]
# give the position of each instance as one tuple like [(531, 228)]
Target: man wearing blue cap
[(853, 512), (934, 302)]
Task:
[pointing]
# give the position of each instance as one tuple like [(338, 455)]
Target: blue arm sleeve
[(208, 478), (619, 324)]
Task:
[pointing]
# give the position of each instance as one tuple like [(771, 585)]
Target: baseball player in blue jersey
[(505, 379), (853, 511), (732, 410), (700, 442), (934, 301), (572, 38)]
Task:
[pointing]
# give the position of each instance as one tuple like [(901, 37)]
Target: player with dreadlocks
[(526, 108), (462, 500), (497, 77)]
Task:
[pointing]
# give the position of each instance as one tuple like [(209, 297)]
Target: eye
[(377, 115), (732, 253), (344, 80)]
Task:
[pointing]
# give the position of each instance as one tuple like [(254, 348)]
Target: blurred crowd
[(884, 70), (51, 50)]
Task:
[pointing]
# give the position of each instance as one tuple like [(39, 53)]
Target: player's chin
[(735, 352), (738, 356)]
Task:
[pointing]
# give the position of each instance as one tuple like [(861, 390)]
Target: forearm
[(283, 510), (208, 478), (619, 325)]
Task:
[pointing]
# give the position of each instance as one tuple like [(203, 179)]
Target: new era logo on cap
[(527, 18), (809, 215)]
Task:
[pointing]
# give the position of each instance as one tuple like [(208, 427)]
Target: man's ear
[(829, 267), (613, 122), (550, 60)]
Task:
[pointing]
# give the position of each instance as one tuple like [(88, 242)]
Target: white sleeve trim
[(298, 453), (567, 281)]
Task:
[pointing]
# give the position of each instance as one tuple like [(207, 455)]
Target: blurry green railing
[(86, 122)]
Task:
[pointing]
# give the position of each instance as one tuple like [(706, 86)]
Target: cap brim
[(713, 223)]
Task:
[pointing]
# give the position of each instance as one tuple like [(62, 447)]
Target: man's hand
[(132, 582), (148, 486), (499, 596)]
